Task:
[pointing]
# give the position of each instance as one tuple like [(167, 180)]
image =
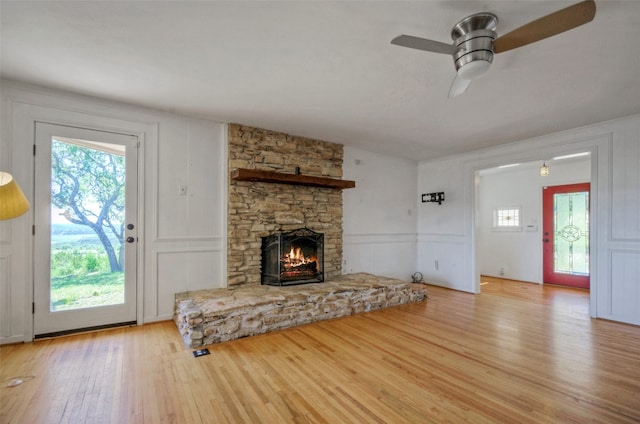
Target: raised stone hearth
[(210, 316)]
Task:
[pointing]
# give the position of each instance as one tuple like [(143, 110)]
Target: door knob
[(130, 239), (545, 240), (130, 227)]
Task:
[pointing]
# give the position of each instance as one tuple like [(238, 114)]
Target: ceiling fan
[(475, 40)]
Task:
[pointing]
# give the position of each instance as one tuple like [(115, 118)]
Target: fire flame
[(296, 266), (295, 258)]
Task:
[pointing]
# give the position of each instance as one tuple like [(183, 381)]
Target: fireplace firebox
[(294, 257)]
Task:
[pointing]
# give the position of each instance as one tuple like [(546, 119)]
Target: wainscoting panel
[(625, 287), (188, 183), (443, 260), (180, 270), (389, 255), (625, 184)]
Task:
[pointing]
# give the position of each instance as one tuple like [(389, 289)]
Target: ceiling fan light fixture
[(472, 70), (458, 86), (474, 45)]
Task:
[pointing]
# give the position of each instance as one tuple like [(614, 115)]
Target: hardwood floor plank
[(517, 352)]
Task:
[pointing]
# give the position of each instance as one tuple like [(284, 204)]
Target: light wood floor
[(516, 353)]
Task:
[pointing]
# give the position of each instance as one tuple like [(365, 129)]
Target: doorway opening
[(515, 252)]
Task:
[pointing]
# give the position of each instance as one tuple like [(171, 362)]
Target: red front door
[(565, 229)]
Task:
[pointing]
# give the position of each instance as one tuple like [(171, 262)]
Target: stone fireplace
[(260, 209), (284, 229), (293, 257)]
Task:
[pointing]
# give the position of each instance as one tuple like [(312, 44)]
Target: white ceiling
[(327, 70)]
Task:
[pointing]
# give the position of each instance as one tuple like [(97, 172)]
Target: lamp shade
[(13, 203)]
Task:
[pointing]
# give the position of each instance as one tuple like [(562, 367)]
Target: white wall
[(442, 229), (518, 253), (379, 224), (450, 230), (183, 238)]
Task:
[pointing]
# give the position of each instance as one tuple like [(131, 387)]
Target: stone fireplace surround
[(259, 209)]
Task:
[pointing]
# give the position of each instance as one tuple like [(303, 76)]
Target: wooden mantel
[(243, 174)]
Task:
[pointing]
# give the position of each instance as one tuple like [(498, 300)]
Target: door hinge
[(33, 230), (34, 150), (33, 307)]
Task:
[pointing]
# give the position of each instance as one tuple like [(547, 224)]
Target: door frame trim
[(46, 321), (599, 144), (23, 127)]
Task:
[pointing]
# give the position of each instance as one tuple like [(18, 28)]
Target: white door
[(85, 241)]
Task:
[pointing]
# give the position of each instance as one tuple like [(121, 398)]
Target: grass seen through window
[(80, 272)]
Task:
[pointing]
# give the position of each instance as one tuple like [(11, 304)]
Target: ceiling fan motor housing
[(473, 38)]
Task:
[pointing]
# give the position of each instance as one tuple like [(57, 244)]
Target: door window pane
[(571, 230), (87, 224)]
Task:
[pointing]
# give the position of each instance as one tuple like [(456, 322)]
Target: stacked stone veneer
[(210, 316), (257, 209)]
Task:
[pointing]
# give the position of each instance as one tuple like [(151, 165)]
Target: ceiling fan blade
[(458, 86), (423, 44), (547, 26)]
